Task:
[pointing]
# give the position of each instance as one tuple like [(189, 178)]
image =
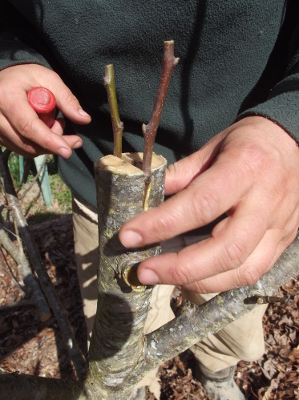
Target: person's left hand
[(250, 171)]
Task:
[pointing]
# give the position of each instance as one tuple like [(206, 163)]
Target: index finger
[(230, 245), (210, 195)]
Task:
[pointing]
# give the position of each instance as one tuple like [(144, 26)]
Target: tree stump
[(117, 339)]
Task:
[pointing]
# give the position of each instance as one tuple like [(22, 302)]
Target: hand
[(20, 128), (250, 171)]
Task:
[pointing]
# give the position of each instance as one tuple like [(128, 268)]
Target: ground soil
[(28, 346)]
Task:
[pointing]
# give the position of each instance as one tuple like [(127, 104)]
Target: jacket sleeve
[(282, 102), (19, 42)]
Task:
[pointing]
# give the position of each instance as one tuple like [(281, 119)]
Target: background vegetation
[(33, 203)]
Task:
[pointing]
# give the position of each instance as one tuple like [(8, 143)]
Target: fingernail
[(131, 239), (83, 113), (77, 145), (63, 152), (148, 277)]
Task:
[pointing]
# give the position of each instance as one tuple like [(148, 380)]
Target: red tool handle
[(43, 102)]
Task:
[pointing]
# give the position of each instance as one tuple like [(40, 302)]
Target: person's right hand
[(20, 128)]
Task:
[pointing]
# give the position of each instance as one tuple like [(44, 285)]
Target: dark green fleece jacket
[(237, 58)]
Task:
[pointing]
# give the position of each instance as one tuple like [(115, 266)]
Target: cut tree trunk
[(117, 340)]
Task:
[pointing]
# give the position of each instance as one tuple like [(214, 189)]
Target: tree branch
[(150, 130), (117, 125)]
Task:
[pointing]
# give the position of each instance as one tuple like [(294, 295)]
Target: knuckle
[(26, 127), (32, 136), (233, 256), (201, 287), (28, 146), (204, 206), (247, 277), (164, 224), (70, 99), (253, 160), (48, 141), (254, 153), (179, 275), (6, 100), (55, 75)]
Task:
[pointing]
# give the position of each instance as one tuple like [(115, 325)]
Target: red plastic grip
[(43, 101)]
